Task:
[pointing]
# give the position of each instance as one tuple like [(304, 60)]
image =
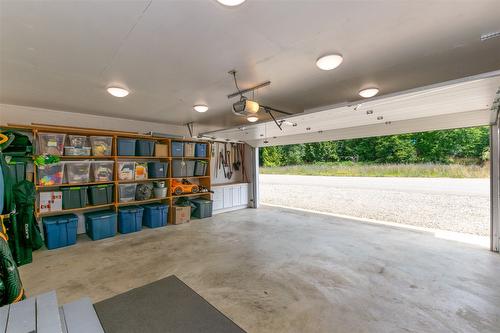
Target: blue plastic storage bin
[(157, 169), (200, 150), (130, 219), (177, 149), (126, 147), (101, 224), (144, 148), (155, 215), (60, 231)]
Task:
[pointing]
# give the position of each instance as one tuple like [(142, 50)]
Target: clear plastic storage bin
[(102, 171), (50, 174), (141, 171), (126, 192), (126, 170), (101, 145), (73, 151), (51, 143), (77, 141), (77, 171)]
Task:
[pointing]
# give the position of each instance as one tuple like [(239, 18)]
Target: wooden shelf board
[(191, 177), (70, 185), (66, 157), (190, 195), (189, 158), (140, 201), (141, 181), (141, 158), (65, 211)]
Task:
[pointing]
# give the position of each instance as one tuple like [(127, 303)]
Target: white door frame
[(495, 186)]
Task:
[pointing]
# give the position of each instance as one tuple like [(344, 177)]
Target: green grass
[(382, 170)]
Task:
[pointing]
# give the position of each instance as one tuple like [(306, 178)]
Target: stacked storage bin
[(157, 169), (60, 231), (177, 149), (126, 147), (130, 219), (74, 197), (201, 150), (100, 194), (101, 224), (179, 168), (189, 149), (101, 145), (77, 171), (155, 215), (145, 148), (202, 209)]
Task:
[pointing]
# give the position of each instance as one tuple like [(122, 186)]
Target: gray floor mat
[(167, 305)]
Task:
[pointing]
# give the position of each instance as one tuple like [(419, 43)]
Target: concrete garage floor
[(280, 270)]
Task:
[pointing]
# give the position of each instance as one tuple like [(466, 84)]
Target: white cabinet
[(230, 197), (236, 196), (218, 198), (244, 194)]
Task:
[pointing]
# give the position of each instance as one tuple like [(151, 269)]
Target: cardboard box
[(161, 150), (50, 202), (181, 214), (189, 149)]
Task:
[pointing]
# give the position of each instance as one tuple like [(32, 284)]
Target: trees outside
[(464, 145)]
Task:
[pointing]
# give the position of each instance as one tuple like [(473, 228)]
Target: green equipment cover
[(11, 288), (24, 196), (23, 235)]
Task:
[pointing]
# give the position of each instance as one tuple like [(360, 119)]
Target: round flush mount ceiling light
[(200, 108), (367, 93), (329, 62), (117, 92), (252, 119), (231, 3)]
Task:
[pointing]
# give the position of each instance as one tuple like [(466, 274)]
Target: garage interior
[(199, 73)]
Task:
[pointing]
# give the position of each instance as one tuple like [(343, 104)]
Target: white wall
[(15, 114)]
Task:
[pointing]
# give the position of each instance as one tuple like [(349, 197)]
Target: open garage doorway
[(435, 181)]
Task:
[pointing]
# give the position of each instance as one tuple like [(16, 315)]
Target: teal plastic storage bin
[(190, 164), (179, 168), (155, 215), (74, 197), (101, 194), (177, 149), (60, 231), (200, 168), (126, 147), (157, 169), (17, 171), (202, 209), (101, 224), (200, 150), (130, 219), (144, 148)]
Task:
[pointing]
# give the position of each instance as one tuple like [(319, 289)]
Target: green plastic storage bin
[(202, 209), (101, 194), (17, 170), (74, 197)]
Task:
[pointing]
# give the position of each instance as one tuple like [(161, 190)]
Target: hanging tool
[(237, 163)]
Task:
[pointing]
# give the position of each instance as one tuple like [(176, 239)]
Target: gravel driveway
[(460, 205)]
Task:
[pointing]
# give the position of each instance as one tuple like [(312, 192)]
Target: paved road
[(460, 205)]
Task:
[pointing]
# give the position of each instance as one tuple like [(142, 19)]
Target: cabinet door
[(218, 198), (244, 195), (228, 197), (236, 196)]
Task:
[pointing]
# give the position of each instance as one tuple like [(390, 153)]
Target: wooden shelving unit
[(170, 199)]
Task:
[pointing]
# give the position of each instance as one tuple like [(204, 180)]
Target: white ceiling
[(459, 103), (172, 54)]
